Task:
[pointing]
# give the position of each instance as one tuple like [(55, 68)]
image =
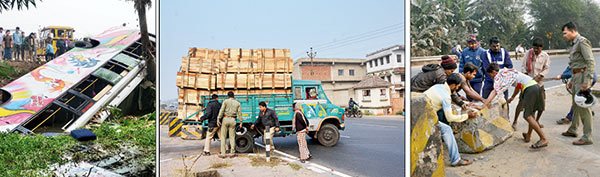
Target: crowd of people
[(485, 74), (223, 117), (17, 46)]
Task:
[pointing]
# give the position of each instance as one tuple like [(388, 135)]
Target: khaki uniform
[(230, 110), (581, 57)]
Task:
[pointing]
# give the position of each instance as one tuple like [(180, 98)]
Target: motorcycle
[(353, 112)]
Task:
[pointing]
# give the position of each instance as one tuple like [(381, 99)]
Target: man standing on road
[(267, 118), (495, 54), (536, 64), (532, 97), (18, 45), (229, 112), (7, 45), (439, 96), (581, 61), (567, 75), (473, 55), (212, 111)]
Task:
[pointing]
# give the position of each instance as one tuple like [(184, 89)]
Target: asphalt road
[(368, 147)]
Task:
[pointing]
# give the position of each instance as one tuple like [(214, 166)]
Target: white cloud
[(87, 17)]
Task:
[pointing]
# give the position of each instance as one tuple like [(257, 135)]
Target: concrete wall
[(340, 92), (426, 150), (359, 72)]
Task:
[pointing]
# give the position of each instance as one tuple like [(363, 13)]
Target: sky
[(87, 17), (335, 28)]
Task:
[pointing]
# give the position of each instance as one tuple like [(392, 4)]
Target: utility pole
[(311, 54)]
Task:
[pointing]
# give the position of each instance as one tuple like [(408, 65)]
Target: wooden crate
[(196, 80), (186, 110)]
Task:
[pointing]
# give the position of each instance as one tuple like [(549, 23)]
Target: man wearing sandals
[(581, 61), (439, 96), (531, 97), (536, 65)]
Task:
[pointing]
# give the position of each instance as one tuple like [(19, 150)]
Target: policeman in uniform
[(581, 61), (229, 112)]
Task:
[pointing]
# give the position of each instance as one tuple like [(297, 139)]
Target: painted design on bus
[(38, 88)]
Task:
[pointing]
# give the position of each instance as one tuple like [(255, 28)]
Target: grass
[(260, 161), (6, 71), (295, 166), (219, 165), (368, 113), (32, 155)]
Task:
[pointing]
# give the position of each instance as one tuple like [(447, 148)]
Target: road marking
[(381, 126), (291, 158), (177, 158), (344, 136)]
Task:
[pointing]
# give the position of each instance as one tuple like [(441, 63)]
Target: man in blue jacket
[(495, 54), (473, 55)]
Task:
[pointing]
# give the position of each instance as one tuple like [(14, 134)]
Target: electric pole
[(311, 55)]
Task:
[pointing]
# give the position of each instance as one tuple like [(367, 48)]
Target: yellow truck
[(56, 33)]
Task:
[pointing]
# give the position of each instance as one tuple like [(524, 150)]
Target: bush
[(367, 113)]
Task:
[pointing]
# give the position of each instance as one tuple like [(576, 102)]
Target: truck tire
[(328, 135), (244, 143)]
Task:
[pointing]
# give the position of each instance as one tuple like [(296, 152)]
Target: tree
[(503, 19), (10, 4), (148, 52)]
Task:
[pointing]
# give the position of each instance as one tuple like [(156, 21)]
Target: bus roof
[(38, 88)]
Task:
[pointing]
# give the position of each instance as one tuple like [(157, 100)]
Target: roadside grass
[(32, 155), (219, 165), (295, 166), (261, 161)]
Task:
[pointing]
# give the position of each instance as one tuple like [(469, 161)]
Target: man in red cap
[(433, 74)]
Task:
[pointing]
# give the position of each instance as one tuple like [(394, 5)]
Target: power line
[(361, 37), (359, 40), (398, 25)]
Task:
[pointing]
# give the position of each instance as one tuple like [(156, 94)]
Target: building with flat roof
[(338, 76), (388, 64)]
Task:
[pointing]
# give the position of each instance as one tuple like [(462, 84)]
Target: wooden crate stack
[(243, 71)]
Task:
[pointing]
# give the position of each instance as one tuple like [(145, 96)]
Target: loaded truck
[(325, 118)]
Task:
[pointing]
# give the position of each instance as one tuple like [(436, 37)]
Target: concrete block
[(490, 128), (426, 150)]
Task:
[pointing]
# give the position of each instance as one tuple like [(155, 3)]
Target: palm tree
[(148, 53), (10, 4)]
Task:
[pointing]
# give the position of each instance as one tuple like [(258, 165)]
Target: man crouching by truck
[(212, 110), (230, 110), (267, 118)]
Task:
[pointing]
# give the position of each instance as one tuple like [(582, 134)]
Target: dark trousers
[(49, 56), (477, 87)]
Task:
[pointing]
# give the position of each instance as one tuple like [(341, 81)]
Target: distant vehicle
[(67, 92), (353, 112), (56, 32)]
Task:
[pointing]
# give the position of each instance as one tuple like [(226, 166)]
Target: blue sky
[(336, 28)]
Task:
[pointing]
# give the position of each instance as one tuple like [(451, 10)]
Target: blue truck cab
[(325, 119)]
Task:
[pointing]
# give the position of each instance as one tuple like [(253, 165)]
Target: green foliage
[(32, 155), (19, 154), (367, 113), (438, 25), (11, 4), (6, 71)]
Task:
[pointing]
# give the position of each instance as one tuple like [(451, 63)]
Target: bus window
[(60, 33), (311, 93)]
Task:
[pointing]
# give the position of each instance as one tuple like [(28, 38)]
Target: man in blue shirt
[(473, 55), (18, 44), (495, 54)]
